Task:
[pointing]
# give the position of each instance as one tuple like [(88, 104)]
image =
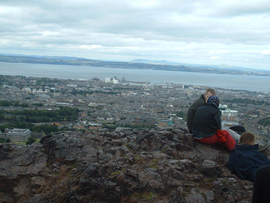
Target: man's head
[(209, 92), (247, 138)]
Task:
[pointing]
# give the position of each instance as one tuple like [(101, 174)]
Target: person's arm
[(192, 111), (190, 116), (218, 120)]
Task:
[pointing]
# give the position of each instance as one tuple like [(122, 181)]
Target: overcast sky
[(230, 32)]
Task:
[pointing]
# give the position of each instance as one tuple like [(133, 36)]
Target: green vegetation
[(115, 173), (30, 141), (2, 140), (84, 93), (246, 101), (265, 122), (154, 163), (16, 125), (145, 196), (182, 115), (109, 126), (13, 103), (38, 104), (37, 116), (47, 129), (25, 118)]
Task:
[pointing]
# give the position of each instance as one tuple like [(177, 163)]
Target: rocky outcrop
[(133, 166)]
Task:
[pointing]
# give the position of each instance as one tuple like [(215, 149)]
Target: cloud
[(266, 52), (177, 30)]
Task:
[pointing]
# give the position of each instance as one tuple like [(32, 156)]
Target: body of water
[(241, 82)]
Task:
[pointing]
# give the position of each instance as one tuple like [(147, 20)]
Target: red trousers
[(221, 136)]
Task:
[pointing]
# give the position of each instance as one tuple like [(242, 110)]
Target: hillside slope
[(134, 166)]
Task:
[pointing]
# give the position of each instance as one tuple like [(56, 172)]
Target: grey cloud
[(135, 28)]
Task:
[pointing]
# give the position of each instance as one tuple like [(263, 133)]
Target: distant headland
[(135, 64)]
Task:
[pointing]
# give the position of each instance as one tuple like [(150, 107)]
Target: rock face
[(133, 166)]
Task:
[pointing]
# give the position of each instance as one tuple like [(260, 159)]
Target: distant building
[(112, 80), (228, 114), (72, 85), (229, 117), (107, 80), (16, 134)]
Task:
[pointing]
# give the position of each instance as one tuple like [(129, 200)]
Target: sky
[(212, 32)]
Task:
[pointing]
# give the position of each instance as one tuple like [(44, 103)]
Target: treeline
[(37, 116), (13, 103), (47, 129), (247, 101), (25, 118), (84, 93), (2, 140)]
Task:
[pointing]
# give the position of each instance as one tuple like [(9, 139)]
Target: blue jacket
[(245, 160)]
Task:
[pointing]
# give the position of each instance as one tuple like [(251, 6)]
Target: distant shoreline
[(226, 81), (125, 65)]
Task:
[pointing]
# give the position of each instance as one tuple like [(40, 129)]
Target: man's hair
[(246, 138), (212, 91)]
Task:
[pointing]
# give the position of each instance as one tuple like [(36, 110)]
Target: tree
[(30, 140)]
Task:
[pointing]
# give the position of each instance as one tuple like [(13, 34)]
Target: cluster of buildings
[(119, 104)]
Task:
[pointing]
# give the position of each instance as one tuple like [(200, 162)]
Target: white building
[(108, 80), (16, 134), (228, 114), (112, 80), (115, 81)]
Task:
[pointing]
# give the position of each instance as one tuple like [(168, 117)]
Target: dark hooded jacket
[(192, 111), (245, 160), (206, 121)]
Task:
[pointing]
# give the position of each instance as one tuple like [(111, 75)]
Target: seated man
[(245, 159), (207, 125), (196, 104)]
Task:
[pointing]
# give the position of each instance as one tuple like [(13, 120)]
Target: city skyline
[(210, 32)]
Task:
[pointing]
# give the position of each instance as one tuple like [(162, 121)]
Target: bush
[(2, 140), (30, 140)]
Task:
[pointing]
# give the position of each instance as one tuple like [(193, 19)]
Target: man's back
[(192, 111), (206, 121)]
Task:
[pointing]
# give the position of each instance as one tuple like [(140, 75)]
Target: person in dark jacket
[(245, 159), (261, 186), (207, 125), (195, 105)]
